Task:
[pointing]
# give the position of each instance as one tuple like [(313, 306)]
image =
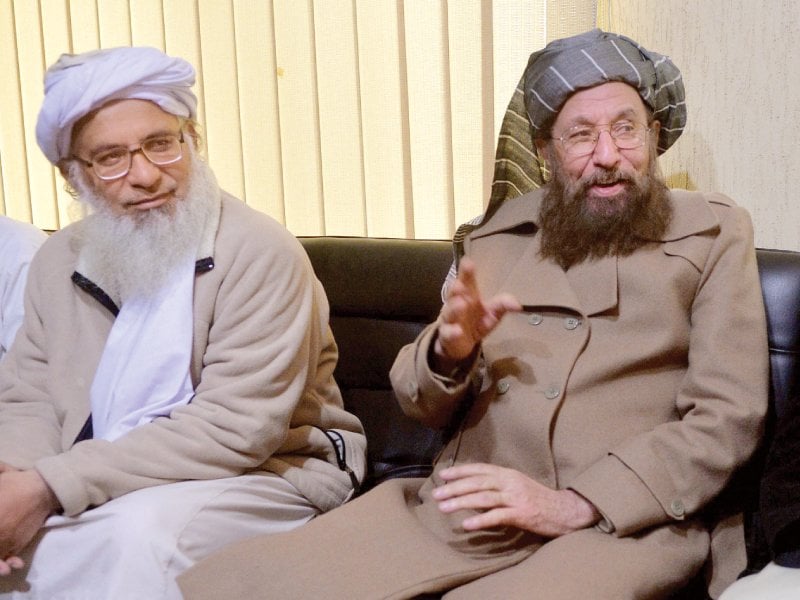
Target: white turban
[(80, 83)]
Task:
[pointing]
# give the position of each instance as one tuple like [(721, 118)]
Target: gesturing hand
[(506, 497), (466, 319)]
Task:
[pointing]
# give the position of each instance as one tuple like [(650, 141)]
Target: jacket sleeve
[(422, 394), (29, 429), (674, 470), (265, 340)]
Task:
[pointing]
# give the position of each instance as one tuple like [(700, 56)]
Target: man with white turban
[(171, 387), (600, 363)]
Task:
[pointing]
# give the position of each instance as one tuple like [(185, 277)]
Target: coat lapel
[(590, 287), (537, 283)]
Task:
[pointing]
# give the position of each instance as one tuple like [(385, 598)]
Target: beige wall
[(738, 59)]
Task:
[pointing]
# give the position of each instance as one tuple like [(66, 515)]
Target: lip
[(149, 203), (606, 191)]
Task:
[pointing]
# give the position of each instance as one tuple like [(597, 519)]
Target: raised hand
[(466, 318)]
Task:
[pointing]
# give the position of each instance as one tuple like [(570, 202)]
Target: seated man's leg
[(371, 548), (134, 546), (773, 582), (591, 564)]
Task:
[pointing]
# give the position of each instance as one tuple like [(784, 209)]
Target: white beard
[(133, 256)]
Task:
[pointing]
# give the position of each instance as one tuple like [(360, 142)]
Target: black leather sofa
[(382, 293)]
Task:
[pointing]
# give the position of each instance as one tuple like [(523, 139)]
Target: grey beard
[(133, 256)]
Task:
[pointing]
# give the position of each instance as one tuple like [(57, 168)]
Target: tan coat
[(640, 382), (262, 363)]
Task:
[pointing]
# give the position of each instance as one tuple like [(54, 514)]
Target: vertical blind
[(338, 117)]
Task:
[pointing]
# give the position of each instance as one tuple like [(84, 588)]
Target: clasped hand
[(25, 503)]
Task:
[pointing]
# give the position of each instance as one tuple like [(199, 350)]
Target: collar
[(202, 265), (591, 286), (691, 214)]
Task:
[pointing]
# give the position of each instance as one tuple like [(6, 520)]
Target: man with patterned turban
[(171, 387), (600, 390)]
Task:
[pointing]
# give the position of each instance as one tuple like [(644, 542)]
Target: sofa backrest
[(382, 293), (779, 271), (780, 284)]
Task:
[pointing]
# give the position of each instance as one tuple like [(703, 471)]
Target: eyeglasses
[(581, 140), (113, 163)]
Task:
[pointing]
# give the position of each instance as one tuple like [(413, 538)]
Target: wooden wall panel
[(258, 106), (384, 115), (430, 137), (299, 116), (84, 27), (30, 44), (147, 23), (221, 93), (15, 195), (114, 17), (57, 40), (471, 107), (341, 152)]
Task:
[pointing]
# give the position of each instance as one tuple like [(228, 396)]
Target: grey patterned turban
[(565, 66), (80, 83)]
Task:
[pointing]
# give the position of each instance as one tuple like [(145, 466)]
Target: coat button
[(503, 386), (535, 319), (571, 323), (552, 393), (677, 508)]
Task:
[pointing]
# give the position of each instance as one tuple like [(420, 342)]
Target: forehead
[(122, 122), (603, 103)]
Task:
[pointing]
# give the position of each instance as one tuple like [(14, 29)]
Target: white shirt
[(18, 243)]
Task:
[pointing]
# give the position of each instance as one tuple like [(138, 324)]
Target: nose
[(143, 173), (606, 153)]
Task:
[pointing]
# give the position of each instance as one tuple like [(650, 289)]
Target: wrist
[(46, 499), (585, 514), (451, 368)]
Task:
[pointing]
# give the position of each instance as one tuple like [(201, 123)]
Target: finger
[(483, 500), (460, 487), (468, 470), (503, 303), (498, 517), (454, 309), (15, 562), (466, 275), (453, 342)]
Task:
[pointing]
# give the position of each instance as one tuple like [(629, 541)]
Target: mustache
[(607, 177), (604, 177)]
